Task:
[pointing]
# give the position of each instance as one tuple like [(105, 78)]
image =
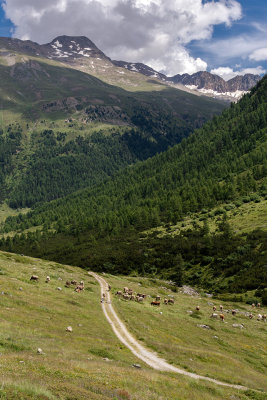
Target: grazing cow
[(253, 305), (250, 316), (233, 312), (34, 278), (221, 307), (132, 297), (130, 292), (119, 293), (125, 290), (214, 308), (47, 279), (214, 315), (264, 317), (157, 298), (67, 284), (166, 301), (259, 318), (222, 317), (258, 305), (155, 303), (126, 296), (140, 299), (197, 308), (74, 282), (79, 288), (171, 301)]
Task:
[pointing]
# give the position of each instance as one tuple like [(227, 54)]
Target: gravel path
[(147, 356)]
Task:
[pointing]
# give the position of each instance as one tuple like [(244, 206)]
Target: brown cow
[(233, 312), (197, 308), (34, 278), (221, 307), (222, 317), (171, 301), (155, 303), (250, 316), (73, 282), (157, 298), (165, 301), (125, 290), (126, 296), (119, 293), (214, 308), (67, 284)]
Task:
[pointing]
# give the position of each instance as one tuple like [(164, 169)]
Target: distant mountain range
[(75, 50)]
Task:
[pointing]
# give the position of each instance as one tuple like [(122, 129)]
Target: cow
[(140, 299), (222, 317), (118, 293), (166, 301), (258, 305), (264, 317), (126, 296), (67, 284), (197, 308), (253, 305), (259, 317), (214, 308), (132, 297), (234, 312), (79, 288), (73, 282), (214, 315), (221, 307), (125, 290), (47, 279), (155, 303), (250, 316), (130, 292), (157, 298), (170, 301), (34, 278)]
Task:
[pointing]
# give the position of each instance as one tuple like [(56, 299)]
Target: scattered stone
[(39, 351), (20, 288), (189, 312), (69, 329), (210, 304), (137, 366), (160, 312), (204, 326), (22, 361), (215, 337), (190, 291), (59, 279), (80, 325), (59, 288), (106, 359), (209, 294), (241, 326)]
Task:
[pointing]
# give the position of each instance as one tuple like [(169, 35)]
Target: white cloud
[(150, 31), (228, 73), (259, 54)]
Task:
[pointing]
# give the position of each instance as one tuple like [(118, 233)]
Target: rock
[(160, 312), (189, 312), (208, 294), (20, 288), (204, 326), (137, 366), (190, 291), (59, 288), (238, 326), (215, 337), (210, 304), (106, 359), (39, 351), (59, 279), (80, 325), (69, 329)]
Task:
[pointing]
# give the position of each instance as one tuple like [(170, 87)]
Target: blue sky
[(223, 36)]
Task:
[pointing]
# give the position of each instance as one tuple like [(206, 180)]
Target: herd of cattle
[(128, 294), (78, 286)]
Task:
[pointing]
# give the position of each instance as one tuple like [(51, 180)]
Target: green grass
[(72, 365), (223, 352)]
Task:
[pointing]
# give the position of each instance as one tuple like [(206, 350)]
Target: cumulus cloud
[(259, 54), (155, 32), (228, 73)]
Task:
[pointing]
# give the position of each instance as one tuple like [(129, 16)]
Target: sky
[(226, 37)]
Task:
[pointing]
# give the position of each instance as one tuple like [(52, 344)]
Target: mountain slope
[(63, 129), (225, 161)]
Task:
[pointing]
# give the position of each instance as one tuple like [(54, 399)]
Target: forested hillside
[(62, 129), (223, 162)]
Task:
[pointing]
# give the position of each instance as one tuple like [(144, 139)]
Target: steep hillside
[(91, 363), (62, 129), (224, 162)]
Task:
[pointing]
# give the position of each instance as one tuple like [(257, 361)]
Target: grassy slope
[(225, 352), (73, 366)]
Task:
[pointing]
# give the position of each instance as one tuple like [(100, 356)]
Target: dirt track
[(147, 356)]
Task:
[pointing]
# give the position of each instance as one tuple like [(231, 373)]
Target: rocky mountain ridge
[(76, 50)]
